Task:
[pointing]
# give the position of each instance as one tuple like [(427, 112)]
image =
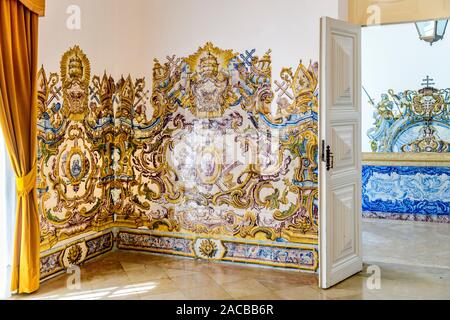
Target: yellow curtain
[(37, 6), (18, 94)]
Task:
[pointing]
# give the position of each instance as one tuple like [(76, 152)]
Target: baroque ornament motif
[(208, 248), (407, 193), (412, 121), (409, 122), (217, 148), (428, 142), (74, 255), (75, 74)]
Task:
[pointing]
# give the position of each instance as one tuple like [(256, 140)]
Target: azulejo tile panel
[(409, 124), (75, 253), (263, 253), (215, 148), (407, 193), (412, 121), (305, 258), (153, 243), (407, 217)]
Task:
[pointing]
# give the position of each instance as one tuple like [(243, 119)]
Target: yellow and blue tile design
[(216, 161), (407, 193), (411, 128)]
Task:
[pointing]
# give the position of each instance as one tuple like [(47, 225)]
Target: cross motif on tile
[(55, 93), (428, 82), (93, 94), (173, 61), (283, 88), (248, 57), (143, 97)]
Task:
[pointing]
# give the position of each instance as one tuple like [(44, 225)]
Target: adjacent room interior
[(406, 137)]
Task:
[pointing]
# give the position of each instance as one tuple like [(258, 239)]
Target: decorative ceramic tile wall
[(303, 257), (409, 122), (75, 253), (76, 138), (216, 151), (412, 121), (407, 193)]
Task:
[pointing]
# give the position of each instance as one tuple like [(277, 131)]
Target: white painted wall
[(291, 28), (393, 57), (111, 35), (125, 36)]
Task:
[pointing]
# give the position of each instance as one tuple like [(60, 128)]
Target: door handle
[(329, 158)]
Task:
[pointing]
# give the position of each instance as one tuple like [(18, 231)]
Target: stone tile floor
[(410, 243), (413, 260)]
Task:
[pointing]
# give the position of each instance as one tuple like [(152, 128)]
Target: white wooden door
[(340, 152)]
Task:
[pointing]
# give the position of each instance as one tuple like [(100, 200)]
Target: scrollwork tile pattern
[(216, 150), (407, 193)]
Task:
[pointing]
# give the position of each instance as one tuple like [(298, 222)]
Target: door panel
[(340, 169), (342, 58), (343, 139)]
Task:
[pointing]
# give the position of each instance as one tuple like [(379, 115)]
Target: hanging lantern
[(431, 31)]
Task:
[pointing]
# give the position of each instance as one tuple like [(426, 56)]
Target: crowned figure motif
[(75, 73), (209, 83), (209, 87)]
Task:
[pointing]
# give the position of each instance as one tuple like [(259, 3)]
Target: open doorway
[(406, 145), (405, 171)]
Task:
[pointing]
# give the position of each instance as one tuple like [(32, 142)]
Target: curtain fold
[(18, 119), (37, 6)]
